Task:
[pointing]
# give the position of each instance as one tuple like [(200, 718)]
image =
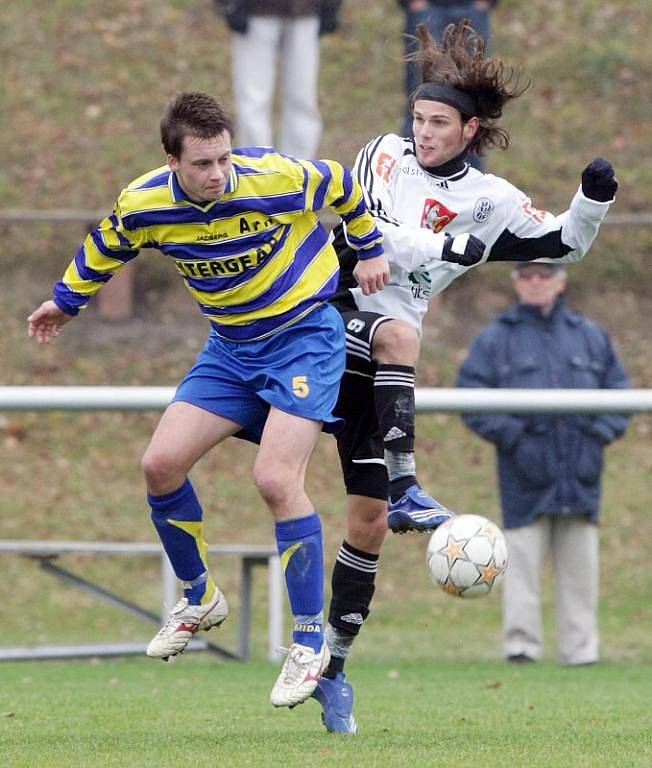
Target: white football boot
[(300, 674), (184, 620)]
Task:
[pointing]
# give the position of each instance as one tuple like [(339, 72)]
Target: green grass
[(82, 93), (414, 712)]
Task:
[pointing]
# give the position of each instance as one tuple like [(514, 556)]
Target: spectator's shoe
[(183, 622), (300, 674), (336, 699), (416, 511)]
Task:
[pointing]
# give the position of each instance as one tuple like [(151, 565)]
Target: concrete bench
[(48, 554)]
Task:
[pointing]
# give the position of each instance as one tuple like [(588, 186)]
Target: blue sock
[(178, 520), (301, 548)]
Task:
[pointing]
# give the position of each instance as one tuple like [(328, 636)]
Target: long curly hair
[(459, 61)]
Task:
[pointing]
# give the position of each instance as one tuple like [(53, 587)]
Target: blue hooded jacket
[(547, 464)]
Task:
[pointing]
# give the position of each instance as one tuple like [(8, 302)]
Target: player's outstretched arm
[(372, 275), (46, 322)]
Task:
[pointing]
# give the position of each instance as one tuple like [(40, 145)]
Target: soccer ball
[(467, 556)]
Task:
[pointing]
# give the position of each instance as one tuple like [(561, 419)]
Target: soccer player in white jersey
[(418, 189), (241, 229)]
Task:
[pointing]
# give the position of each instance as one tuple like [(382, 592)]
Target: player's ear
[(470, 128), (173, 162)]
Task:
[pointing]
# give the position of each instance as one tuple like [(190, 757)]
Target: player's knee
[(276, 490), (161, 471), (369, 537), (397, 343), (366, 523), (378, 528)]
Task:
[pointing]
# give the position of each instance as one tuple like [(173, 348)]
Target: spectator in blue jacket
[(549, 466)]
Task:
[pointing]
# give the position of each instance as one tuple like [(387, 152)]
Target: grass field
[(83, 88), (415, 712)]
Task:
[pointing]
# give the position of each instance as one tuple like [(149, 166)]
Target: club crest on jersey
[(435, 215), (484, 207)]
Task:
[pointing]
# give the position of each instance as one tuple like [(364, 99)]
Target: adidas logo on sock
[(393, 434), (352, 618)]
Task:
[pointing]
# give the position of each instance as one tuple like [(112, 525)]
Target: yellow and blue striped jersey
[(256, 260)]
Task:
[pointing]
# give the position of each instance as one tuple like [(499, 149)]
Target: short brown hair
[(192, 113)]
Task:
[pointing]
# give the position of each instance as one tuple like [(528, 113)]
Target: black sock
[(335, 666), (352, 585), (398, 487)]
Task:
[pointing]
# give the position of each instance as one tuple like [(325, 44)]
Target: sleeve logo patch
[(484, 207), (534, 213), (385, 166), (435, 215)]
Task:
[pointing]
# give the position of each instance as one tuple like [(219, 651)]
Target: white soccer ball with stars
[(467, 556)]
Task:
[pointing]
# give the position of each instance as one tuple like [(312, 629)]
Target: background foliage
[(84, 82)]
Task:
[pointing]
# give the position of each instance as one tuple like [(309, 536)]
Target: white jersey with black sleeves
[(414, 208)]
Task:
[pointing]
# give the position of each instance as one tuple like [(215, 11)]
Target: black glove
[(466, 250), (328, 21), (599, 180), (235, 15)]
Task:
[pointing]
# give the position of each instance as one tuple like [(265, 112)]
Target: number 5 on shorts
[(300, 386)]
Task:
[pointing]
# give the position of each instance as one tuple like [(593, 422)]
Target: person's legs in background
[(433, 17), (522, 622), (575, 559), (479, 15), (254, 76), (301, 124)]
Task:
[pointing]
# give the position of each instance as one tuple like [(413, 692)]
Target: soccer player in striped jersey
[(242, 231), (420, 189)]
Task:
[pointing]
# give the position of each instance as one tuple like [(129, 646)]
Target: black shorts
[(360, 443)]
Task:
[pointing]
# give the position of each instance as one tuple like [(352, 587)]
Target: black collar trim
[(453, 170)]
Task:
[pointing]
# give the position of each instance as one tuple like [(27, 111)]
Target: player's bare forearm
[(46, 322), (372, 275)]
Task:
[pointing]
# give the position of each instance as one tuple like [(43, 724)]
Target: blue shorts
[(297, 370)]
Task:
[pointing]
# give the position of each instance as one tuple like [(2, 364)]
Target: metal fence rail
[(427, 399), (71, 398), (49, 555)]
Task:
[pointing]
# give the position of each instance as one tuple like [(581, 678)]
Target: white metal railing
[(427, 399), (48, 554), (71, 398)]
